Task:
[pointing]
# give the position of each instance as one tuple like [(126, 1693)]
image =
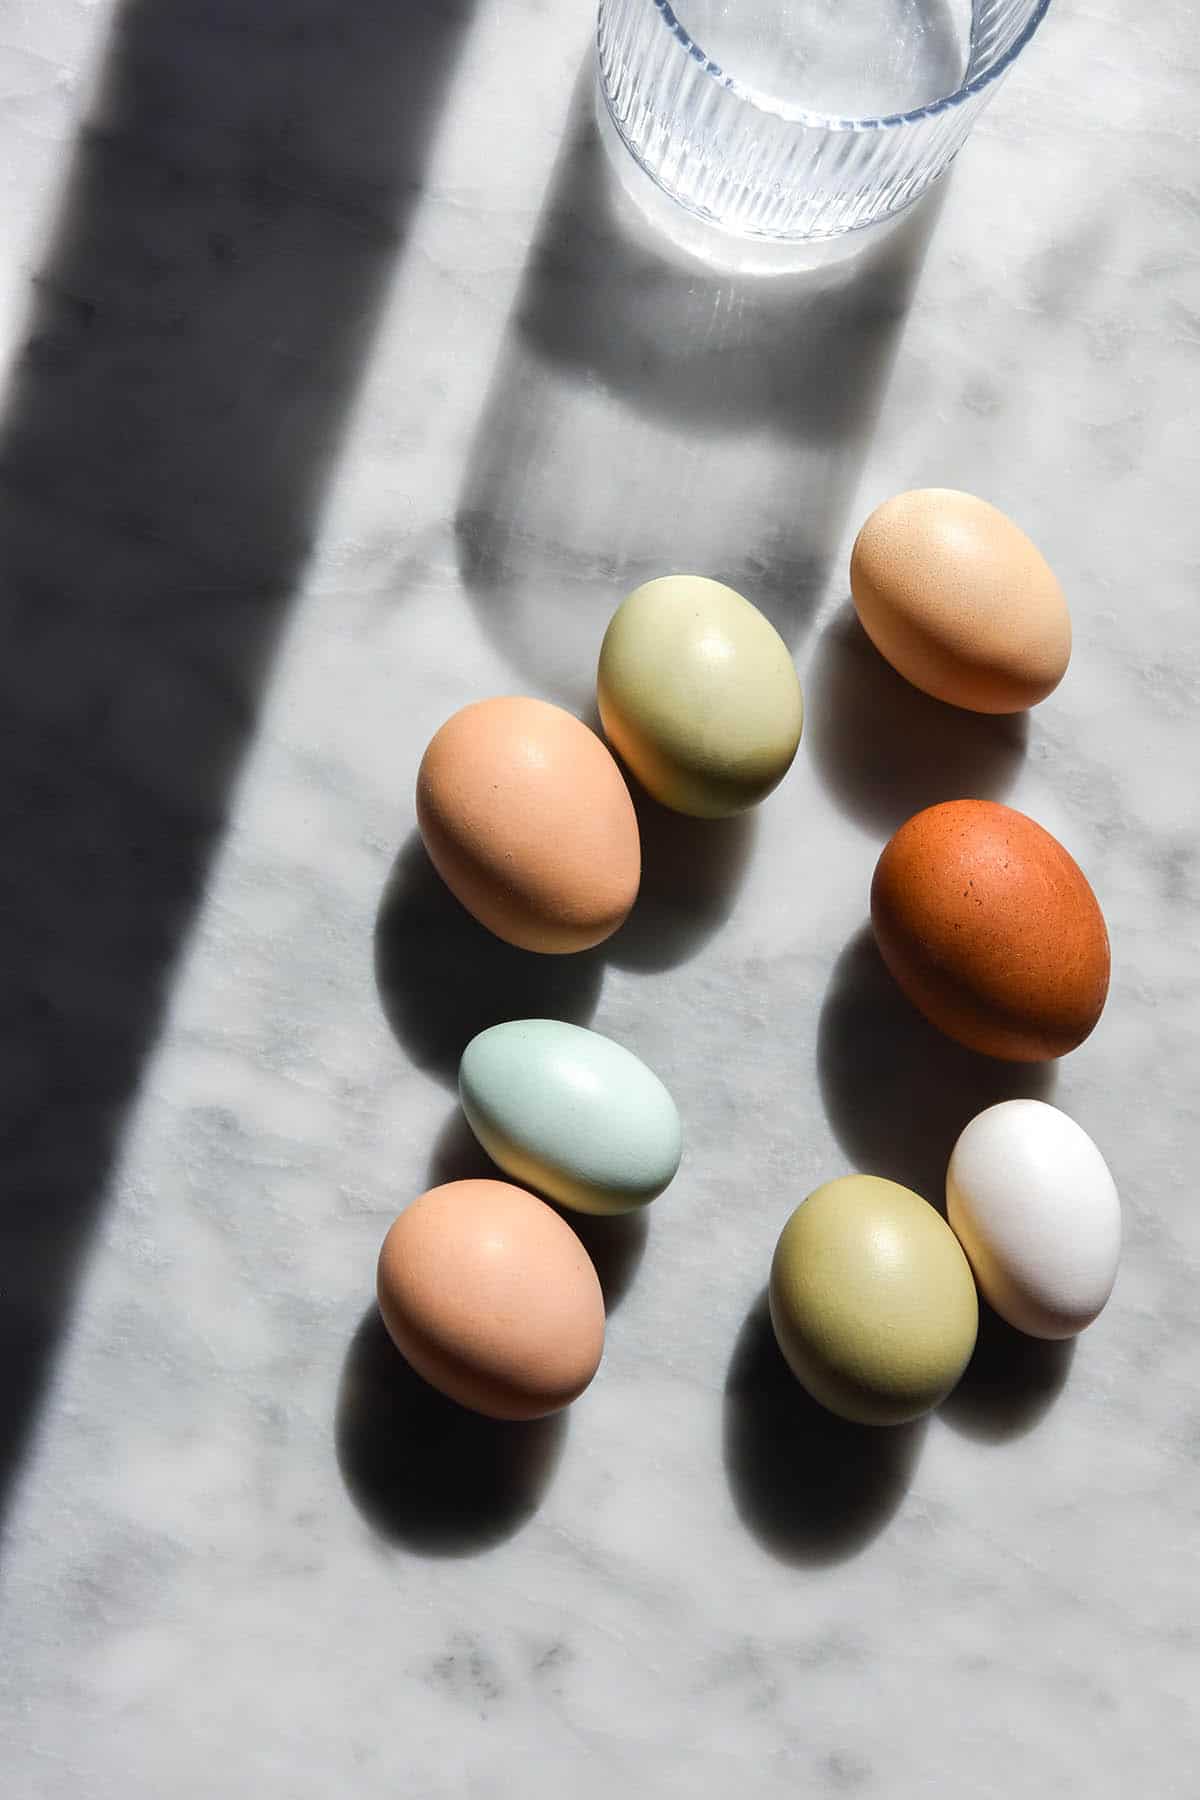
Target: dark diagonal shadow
[(199, 326)]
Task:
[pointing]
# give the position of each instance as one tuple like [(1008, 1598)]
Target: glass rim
[(802, 115)]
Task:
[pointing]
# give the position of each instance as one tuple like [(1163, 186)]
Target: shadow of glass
[(896, 1091), (199, 323), (423, 1471), (616, 1245), (1010, 1383), (812, 1488), (650, 415), (883, 750), (443, 977)]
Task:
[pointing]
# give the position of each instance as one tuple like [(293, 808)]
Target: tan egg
[(960, 602), (492, 1298), (527, 819), (992, 930)]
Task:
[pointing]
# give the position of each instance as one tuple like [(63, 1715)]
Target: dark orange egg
[(991, 930)]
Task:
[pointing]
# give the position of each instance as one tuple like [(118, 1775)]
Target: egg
[(1036, 1210), (527, 819), (872, 1301), (490, 1295), (960, 602), (571, 1113), (991, 930), (699, 696)]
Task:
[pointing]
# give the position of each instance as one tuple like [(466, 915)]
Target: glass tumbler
[(794, 120)]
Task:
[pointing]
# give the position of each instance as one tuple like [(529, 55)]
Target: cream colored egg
[(960, 602)]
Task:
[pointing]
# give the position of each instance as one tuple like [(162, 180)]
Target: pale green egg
[(699, 696), (570, 1113), (872, 1300)]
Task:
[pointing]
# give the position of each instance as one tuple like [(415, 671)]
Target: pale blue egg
[(570, 1113)]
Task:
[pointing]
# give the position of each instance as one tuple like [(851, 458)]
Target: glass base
[(760, 166)]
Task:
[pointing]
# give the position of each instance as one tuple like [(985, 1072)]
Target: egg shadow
[(692, 871), (615, 1244), (426, 1473), (883, 750), (897, 1092), (811, 1487), (1010, 1383), (442, 977)]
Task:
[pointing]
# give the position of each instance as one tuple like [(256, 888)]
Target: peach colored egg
[(960, 602), (492, 1298), (992, 930), (528, 821)]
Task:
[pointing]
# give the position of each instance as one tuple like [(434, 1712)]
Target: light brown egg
[(960, 602), (492, 1298), (991, 930), (528, 821)]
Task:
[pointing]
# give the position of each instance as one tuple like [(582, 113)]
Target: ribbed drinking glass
[(802, 119)]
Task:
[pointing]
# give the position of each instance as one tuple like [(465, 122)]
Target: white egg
[(1034, 1206)]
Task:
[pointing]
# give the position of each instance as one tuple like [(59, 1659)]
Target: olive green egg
[(699, 696), (873, 1301)]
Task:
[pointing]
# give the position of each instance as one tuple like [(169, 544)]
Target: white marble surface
[(336, 396)]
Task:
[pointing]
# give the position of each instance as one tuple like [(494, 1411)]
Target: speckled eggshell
[(699, 695), (960, 602), (872, 1301), (492, 1298), (1036, 1210), (571, 1113), (527, 819), (991, 930)]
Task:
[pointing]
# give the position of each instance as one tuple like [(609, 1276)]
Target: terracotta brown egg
[(991, 930)]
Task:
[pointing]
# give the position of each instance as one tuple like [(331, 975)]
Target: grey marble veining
[(340, 389)]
